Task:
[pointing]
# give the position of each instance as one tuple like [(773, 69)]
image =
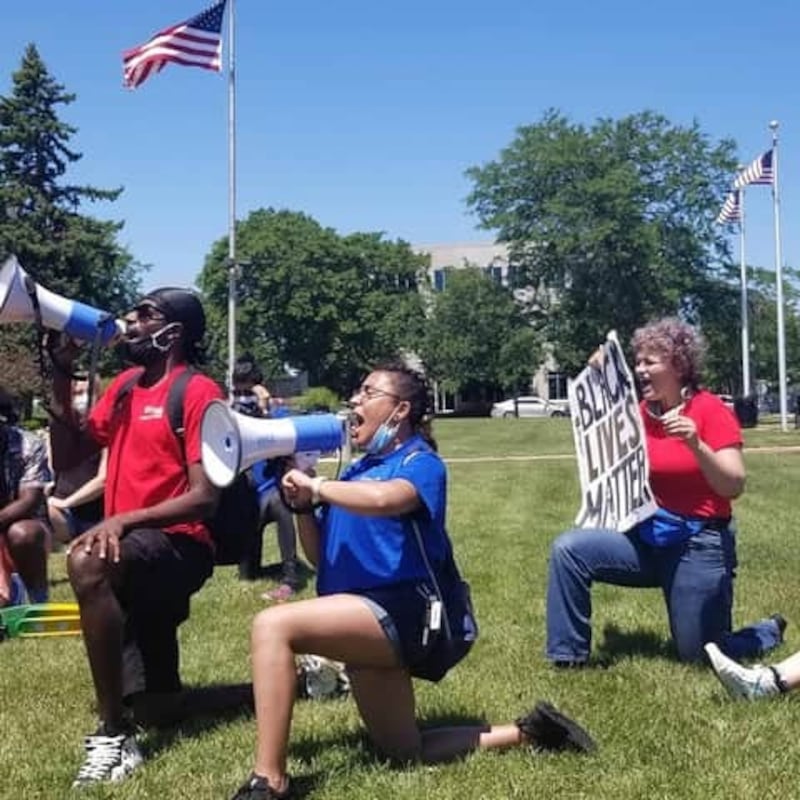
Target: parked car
[(530, 406)]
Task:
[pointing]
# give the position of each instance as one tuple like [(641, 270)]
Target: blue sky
[(366, 114)]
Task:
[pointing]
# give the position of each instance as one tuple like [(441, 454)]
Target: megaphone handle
[(98, 340), (30, 289)]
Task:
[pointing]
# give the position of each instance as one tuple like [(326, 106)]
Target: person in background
[(380, 546), (688, 549), (757, 682), (75, 502), (24, 532), (248, 385), (134, 573), (251, 398)]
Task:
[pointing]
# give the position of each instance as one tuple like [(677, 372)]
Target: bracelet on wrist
[(316, 485)]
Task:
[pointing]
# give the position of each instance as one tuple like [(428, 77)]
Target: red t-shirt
[(675, 476), (145, 458)]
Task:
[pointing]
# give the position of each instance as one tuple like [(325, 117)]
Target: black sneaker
[(548, 729), (257, 788)]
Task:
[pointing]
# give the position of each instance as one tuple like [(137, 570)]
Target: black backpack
[(237, 518)]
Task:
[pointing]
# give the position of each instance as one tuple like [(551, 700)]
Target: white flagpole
[(743, 275), (232, 265), (779, 278)]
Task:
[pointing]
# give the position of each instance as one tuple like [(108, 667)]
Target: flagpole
[(232, 265), (745, 327), (779, 279)]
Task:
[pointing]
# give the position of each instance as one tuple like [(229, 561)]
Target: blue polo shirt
[(359, 552)]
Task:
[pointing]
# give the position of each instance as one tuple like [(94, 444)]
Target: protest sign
[(610, 443)]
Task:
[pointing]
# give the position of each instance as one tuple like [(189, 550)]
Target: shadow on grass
[(200, 709), (274, 572), (617, 644), (192, 711), (361, 750)]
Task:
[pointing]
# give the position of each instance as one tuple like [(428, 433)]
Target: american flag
[(760, 171), (197, 42), (731, 209)]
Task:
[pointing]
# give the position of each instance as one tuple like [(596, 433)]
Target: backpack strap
[(175, 399), (125, 390)]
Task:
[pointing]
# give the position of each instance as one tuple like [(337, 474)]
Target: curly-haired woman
[(688, 548)]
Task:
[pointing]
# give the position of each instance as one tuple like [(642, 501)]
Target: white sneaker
[(742, 683), (108, 758)]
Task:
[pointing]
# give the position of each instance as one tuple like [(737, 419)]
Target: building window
[(556, 385), (439, 279)]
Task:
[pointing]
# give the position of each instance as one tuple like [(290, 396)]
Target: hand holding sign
[(610, 443)]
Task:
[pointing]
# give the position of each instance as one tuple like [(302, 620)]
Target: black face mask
[(146, 350)]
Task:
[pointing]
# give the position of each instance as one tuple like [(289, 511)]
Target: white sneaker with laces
[(742, 683), (108, 758)]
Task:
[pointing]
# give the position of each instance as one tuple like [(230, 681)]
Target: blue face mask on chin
[(382, 437)]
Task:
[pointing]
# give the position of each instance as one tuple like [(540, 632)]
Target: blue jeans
[(696, 577)]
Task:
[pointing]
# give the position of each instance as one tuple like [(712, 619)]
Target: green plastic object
[(40, 620)]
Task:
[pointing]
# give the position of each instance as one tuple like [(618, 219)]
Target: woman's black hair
[(246, 369), (411, 385)]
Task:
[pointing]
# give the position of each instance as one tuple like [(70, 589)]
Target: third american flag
[(197, 42), (760, 171), (731, 209)]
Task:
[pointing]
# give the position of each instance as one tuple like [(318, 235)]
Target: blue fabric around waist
[(666, 528)]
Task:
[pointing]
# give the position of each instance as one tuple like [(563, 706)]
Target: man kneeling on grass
[(134, 573)]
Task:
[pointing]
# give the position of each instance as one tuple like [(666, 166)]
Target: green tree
[(315, 300), (764, 326), (477, 339), (616, 220), (75, 255)]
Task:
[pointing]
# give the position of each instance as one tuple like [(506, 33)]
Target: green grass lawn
[(665, 730)]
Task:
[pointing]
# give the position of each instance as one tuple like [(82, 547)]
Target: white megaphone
[(57, 313), (232, 442)]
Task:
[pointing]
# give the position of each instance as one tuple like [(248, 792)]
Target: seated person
[(251, 398), (689, 548), (79, 469), (24, 533), (375, 584)]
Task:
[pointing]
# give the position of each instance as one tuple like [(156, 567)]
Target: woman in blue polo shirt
[(387, 586)]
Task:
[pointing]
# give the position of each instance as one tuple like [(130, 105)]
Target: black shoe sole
[(549, 729)]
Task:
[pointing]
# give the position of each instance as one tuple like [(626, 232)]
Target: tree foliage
[(615, 219), (307, 297), (41, 222), (764, 326), (477, 338)]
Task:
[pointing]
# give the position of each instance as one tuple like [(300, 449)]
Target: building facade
[(548, 382)]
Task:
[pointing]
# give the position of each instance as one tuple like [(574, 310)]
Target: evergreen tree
[(41, 222)]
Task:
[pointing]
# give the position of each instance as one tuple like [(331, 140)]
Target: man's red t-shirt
[(146, 462), (675, 476)]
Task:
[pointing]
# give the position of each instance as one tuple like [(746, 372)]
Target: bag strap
[(126, 389), (434, 580), (175, 398)]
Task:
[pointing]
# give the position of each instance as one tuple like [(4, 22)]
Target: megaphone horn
[(57, 313), (232, 442)]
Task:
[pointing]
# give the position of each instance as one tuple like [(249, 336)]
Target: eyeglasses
[(371, 392), (145, 313)]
